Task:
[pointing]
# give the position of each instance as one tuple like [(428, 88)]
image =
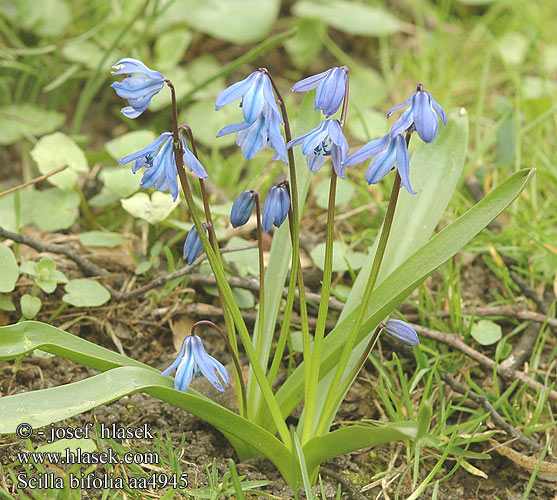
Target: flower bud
[(242, 208), (402, 331), (192, 246), (276, 207)]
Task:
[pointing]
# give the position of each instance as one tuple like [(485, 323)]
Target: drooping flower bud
[(402, 331), (242, 208), (276, 207), (192, 246)]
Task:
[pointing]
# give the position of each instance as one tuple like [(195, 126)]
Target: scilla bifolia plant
[(333, 361)]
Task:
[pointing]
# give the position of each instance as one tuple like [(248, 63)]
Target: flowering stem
[(261, 276), (334, 395), (233, 353), (294, 218), (311, 395), (218, 270), (215, 244)]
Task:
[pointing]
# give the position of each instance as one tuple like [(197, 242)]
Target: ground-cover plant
[(331, 362)]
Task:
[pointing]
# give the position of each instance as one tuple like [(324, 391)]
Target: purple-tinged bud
[(276, 207), (192, 246), (402, 331), (242, 208)]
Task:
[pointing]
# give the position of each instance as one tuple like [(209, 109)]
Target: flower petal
[(402, 331), (176, 362), (403, 123), (310, 82), (425, 118), (403, 162), (193, 164), (270, 209), (438, 108), (254, 100), (235, 91), (150, 148), (401, 105), (381, 165), (368, 150), (207, 364)]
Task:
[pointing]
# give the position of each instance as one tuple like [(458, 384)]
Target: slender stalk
[(232, 353), (215, 244), (311, 395), (218, 270), (334, 396), (261, 276)]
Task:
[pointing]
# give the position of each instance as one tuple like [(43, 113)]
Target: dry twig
[(33, 181)]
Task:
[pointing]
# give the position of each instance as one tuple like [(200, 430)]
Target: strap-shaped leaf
[(399, 284), (39, 408)]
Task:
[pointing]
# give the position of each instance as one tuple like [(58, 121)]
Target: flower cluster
[(262, 120)]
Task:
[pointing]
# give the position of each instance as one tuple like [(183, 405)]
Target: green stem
[(334, 396), (313, 377), (229, 323), (220, 277)]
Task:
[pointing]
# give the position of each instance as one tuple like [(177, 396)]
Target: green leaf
[(26, 120), (400, 283), (239, 22), (85, 52), (129, 143), (30, 306), (54, 209), (244, 298), (85, 293), (417, 216), (355, 437), (350, 17), (101, 239), (153, 209), (120, 181), (170, 48), (512, 48), (6, 303), (345, 192), (143, 267), (45, 18), (10, 271), (55, 150), (343, 259), (60, 446), (306, 44), (486, 332), (245, 262)]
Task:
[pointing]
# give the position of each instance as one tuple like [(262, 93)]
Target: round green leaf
[(55, 150), (9, 270), (30, 306), (129, 143), (342, 260), (24, 120), (344, 193), (170, 48), (85, 52), (54, 209), (202, 118), (101, 239), (44, 18), (85, 293), (350, 17), (486, 332), (6, 304), (153, 209)]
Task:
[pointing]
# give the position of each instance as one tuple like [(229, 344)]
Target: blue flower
[(253, 137), (138, 87), (256, 92), (387, 152), (402, 331), (242, 208), (158, 158), (276, 207), (192, 246), (421, 113), (325, 140), (193, 361), (331, 85)]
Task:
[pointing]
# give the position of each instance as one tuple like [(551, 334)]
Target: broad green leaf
[(435, 170), (54, 209), (366, 124), (353, 18), (85, 52), (120, 181), (55, 150), (26, 120), (355, 437), (180, 77), (486, 332), (400, 283), (512, 48), (306, 44), (85, 293), (343, 259), (6, 303), (30, 306), (207, 122), (129, 143), (244, 298), (101, 239), (239, 22), (47, 18), (245, 262), (9, 270), (344, 193), (151, 209), (57, 403), (170, 48)]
